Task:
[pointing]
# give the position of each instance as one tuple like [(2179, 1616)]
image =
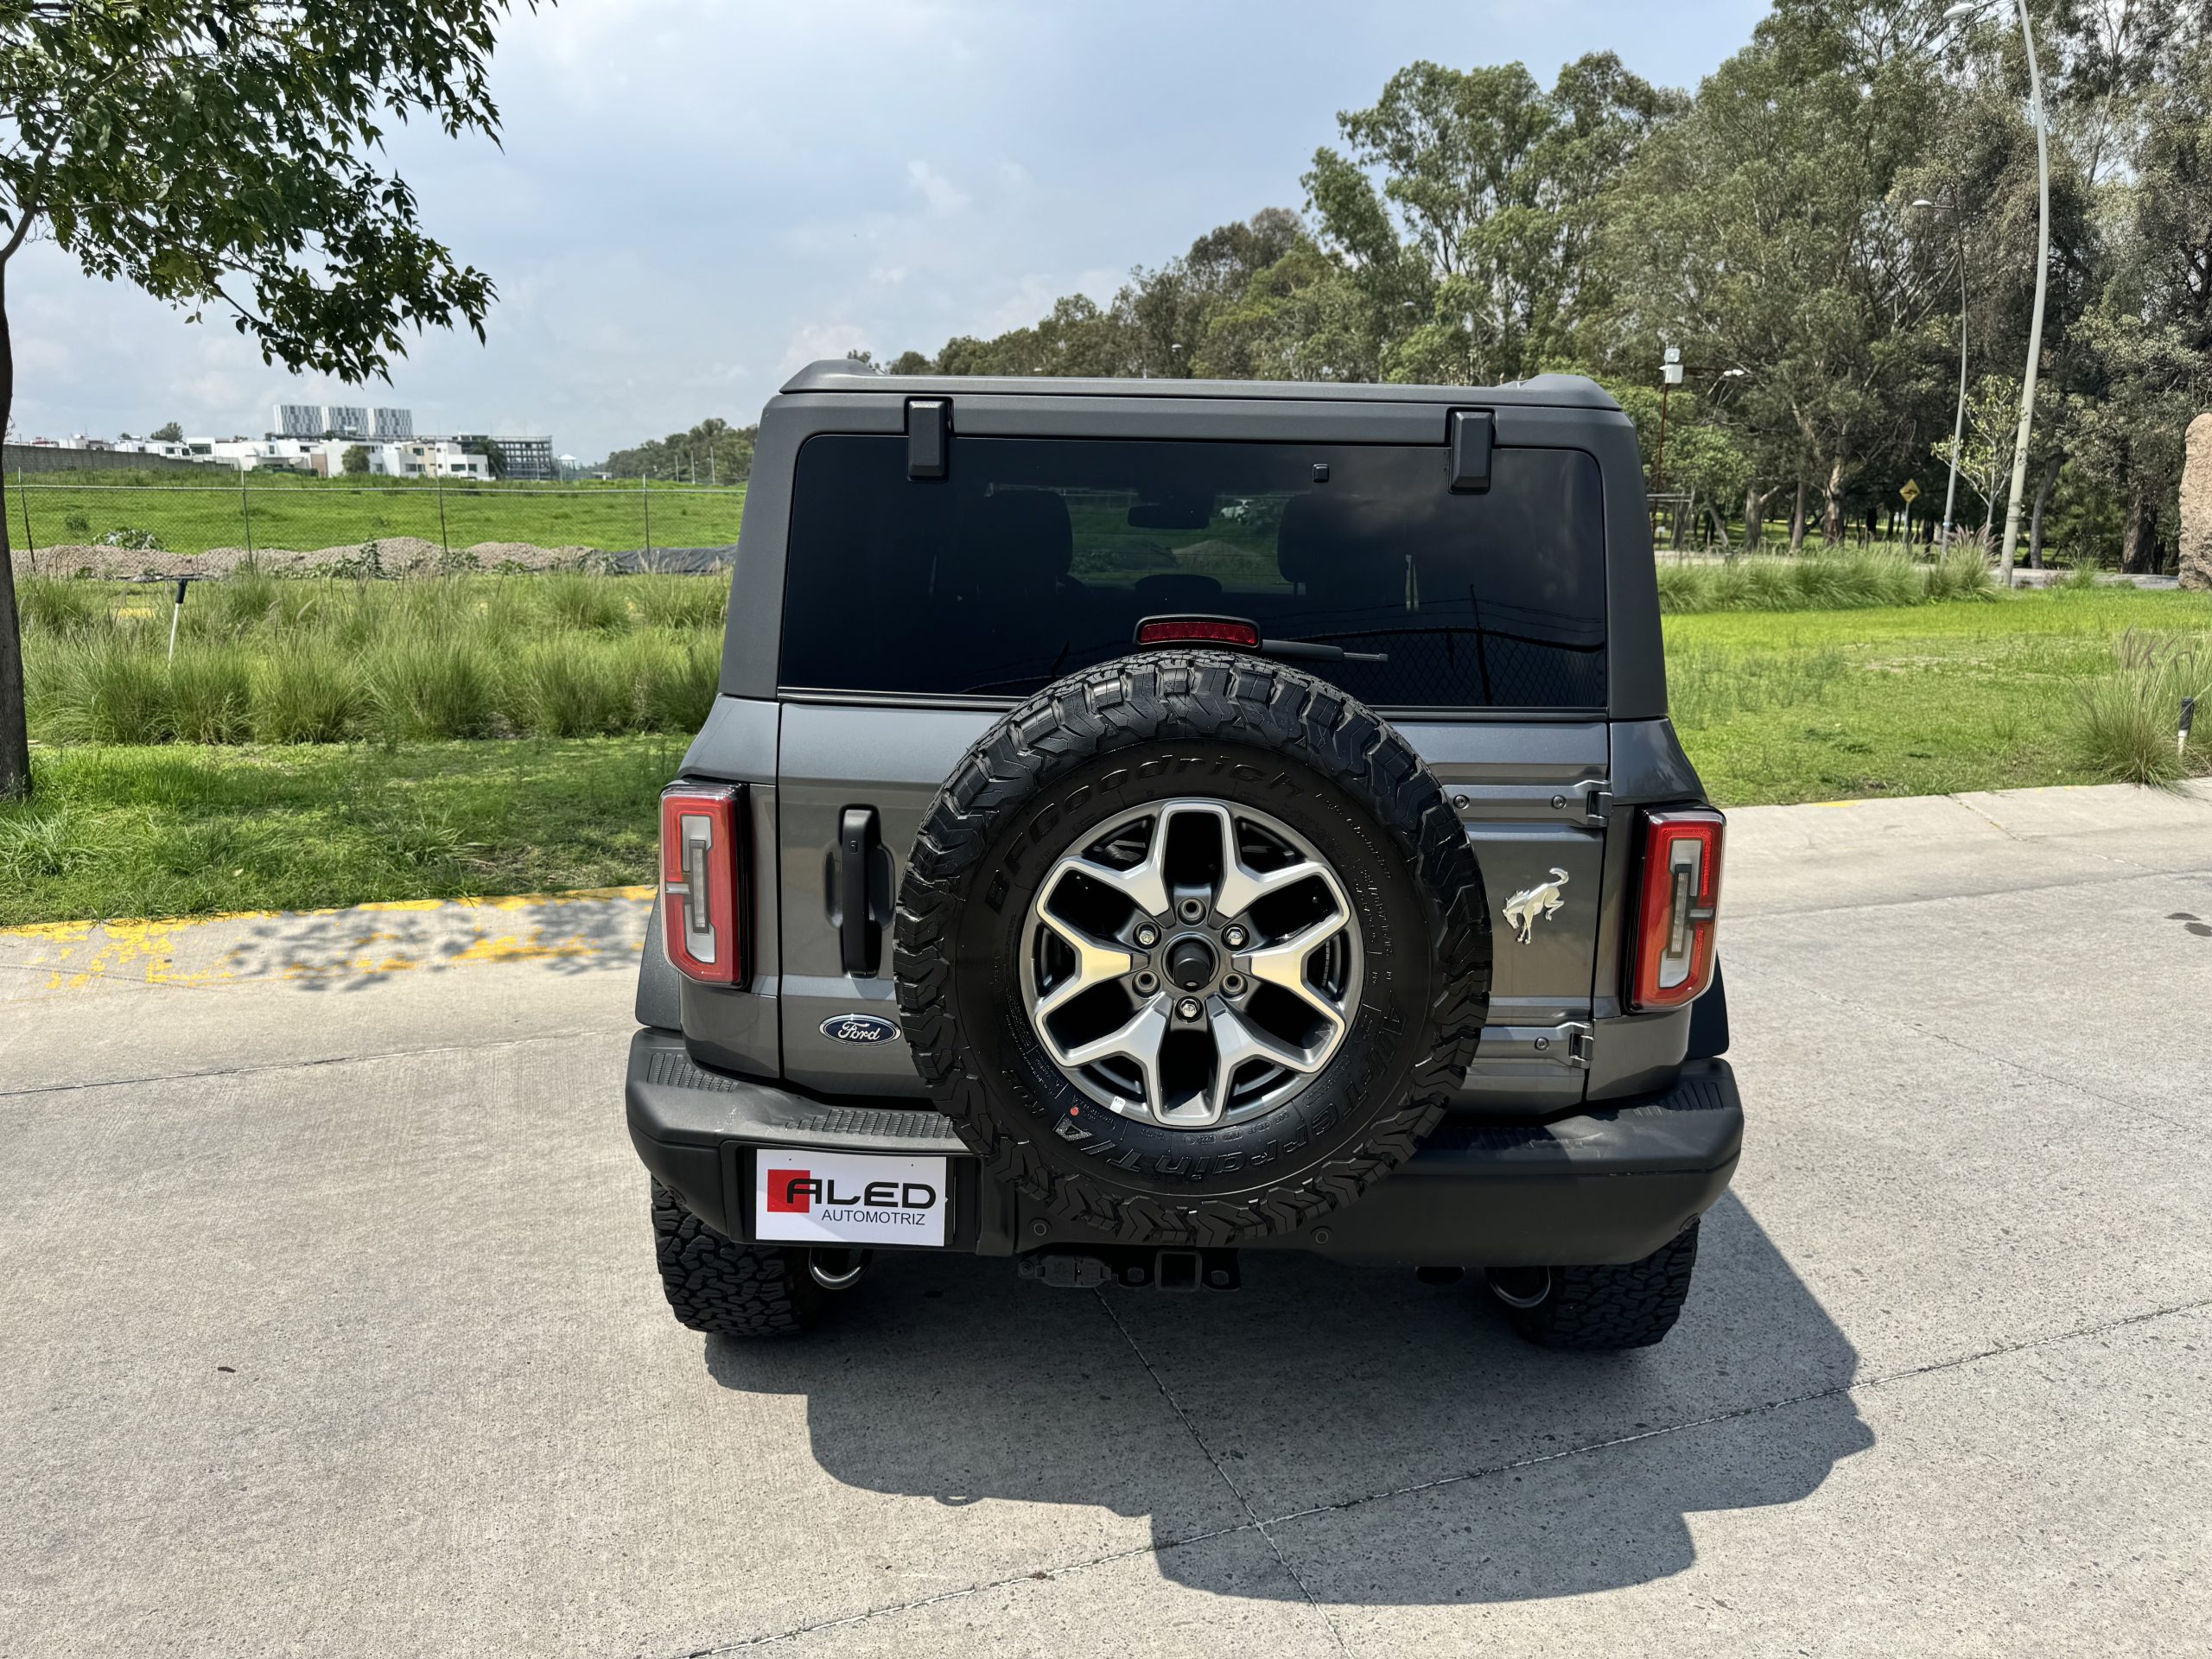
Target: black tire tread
[(724, 1287), (1607, 1309), (1219, 696)]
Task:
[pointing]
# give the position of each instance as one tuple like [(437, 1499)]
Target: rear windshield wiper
[(1313, 651), (1241, 634)]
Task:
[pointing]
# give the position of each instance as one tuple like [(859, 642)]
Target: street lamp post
[(1958, 421), (1966, 8)]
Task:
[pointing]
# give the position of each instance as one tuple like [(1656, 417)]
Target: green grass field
[(1822, 705), (1773, 707), (180, 829), (304, 514)]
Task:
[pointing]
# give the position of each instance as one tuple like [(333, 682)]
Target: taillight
[(1198, 630), (698, 883), (1679, 900)]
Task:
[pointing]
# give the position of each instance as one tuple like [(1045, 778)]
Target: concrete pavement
[(331, 1323)]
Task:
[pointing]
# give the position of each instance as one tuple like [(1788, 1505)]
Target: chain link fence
[(59, 525)]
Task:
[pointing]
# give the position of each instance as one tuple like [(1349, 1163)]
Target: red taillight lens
[(698, 883), (1198, 630), (1676, 910)]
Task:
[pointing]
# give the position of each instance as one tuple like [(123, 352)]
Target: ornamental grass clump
[(2128, 719)]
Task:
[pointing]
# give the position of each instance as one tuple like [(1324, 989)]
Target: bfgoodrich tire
[(728, 1289), (1270, 752)]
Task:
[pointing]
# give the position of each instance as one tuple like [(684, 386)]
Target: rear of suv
[(1146, 822)]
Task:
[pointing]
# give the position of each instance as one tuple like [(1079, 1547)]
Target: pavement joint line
[(2036, 841), (2139, 873), (1244, 1503), (1857, 1385), (891, 1610), (2010, 835), (573, 1035), (1880, 1016)]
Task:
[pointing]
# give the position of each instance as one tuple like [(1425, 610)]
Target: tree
[(355, 461), (1468, 209), (1764, 230), (714, 449), (226, 155), (1985, 460), (495, 457), (167, 432), (1157, 324)]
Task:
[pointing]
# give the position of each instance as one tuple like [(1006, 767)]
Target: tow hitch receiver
[(1134, 1268)]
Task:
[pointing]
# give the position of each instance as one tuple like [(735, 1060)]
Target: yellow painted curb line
[(71, 931), (150, 947)]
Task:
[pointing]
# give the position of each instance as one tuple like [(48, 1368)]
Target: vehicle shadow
[(1415, 1449)]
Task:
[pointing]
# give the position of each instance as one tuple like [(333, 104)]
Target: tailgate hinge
[(1567, 1044)]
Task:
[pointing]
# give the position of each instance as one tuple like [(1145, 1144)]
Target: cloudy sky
[(694, 198)]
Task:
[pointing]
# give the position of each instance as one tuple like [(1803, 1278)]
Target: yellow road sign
[(1910, 491)]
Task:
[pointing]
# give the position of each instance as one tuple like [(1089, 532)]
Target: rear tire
[(1603, 1309), (726, 1288)]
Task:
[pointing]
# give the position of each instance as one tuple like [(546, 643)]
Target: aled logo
[(858, 1028), (795, 1191), (819, 1197)]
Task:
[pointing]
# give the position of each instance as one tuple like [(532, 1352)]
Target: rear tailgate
[(1526, 791)]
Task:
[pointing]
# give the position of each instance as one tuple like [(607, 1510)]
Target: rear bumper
[(1609, 1184)]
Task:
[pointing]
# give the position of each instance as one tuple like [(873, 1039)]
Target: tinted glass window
[(1038, 557)]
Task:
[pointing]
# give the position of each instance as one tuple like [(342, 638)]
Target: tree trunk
[(2138, 541), (2043, 499), (1831, 505), (15, 737), (1797, 520)]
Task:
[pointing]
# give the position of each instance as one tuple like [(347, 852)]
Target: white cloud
[(943, 195)]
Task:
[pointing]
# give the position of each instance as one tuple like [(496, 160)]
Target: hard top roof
[(1547, 390)]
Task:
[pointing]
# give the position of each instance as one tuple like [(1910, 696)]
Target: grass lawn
[(1773, 707), (1823, 705), (304, 514), (181, 829)]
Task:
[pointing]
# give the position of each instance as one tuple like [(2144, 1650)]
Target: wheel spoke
[(1283, 965), (1234, 1042), (1096, 961), (1138, 1042), (1143, 884)]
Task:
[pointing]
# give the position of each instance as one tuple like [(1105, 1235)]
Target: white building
[(340, 421), (326, 457)]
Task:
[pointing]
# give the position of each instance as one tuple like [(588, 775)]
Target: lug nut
[(1234, 938), (1148, 936), (1188, 1007)]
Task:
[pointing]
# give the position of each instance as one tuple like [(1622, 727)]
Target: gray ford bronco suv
[(1146, 822)]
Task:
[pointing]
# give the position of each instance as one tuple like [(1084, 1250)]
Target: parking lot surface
[(331, 1323)]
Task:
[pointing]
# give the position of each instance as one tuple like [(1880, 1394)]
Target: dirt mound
[(391, 556)]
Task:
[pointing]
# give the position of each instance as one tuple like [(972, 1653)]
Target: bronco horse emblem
[(1526, 907)]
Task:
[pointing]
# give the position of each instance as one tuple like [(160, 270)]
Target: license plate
[(848, 1197)]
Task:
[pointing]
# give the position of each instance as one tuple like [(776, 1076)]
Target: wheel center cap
[(1191, 964)]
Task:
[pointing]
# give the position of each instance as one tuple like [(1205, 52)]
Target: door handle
[(859, 849)]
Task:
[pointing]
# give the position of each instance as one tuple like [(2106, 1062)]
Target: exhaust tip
[(837, 1269)]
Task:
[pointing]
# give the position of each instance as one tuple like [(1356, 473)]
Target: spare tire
[(1191, 947)]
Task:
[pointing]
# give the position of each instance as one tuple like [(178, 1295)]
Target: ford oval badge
[(858, 1028)]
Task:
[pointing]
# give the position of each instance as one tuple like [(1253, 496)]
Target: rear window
[(1037, 557)]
